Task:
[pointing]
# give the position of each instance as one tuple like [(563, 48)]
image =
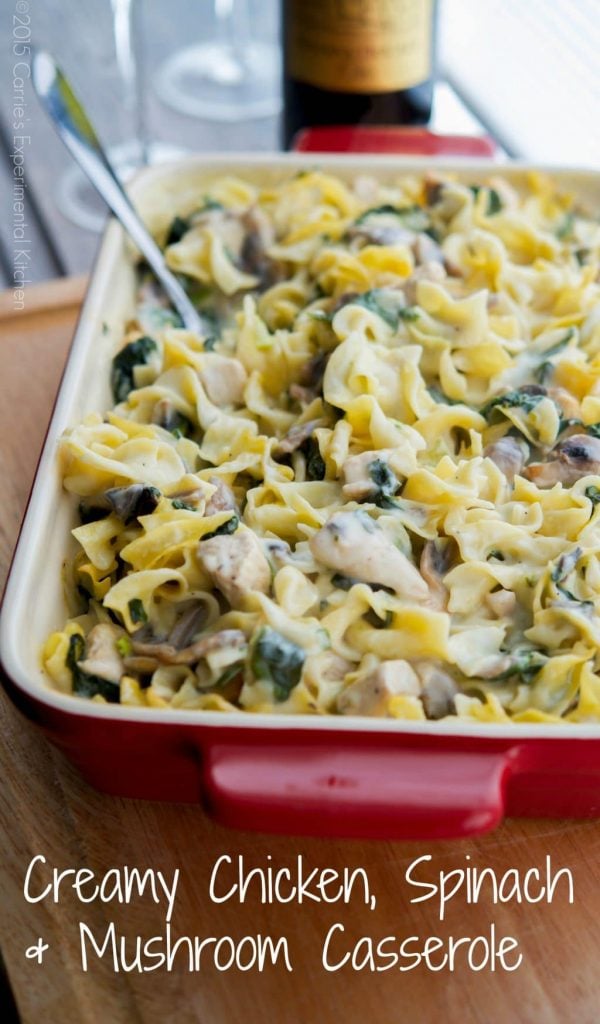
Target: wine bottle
[(357, 62)]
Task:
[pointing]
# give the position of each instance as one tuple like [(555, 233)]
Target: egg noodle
[(372, 486)]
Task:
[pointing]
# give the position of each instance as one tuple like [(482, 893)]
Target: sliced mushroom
[(167, 654), (577, 456), (438, 689), (509, 454), (352, 543), (224, 379), (310, 380), (223, 499), (295, 438), (133, 501), (436, 559), (371, 694), (189, 623), (236, 564), (102, 657), (258, 236), (434, 187)]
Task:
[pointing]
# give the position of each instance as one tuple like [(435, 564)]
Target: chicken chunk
[(371, 694), (358, 478), (509, 454), (502, 603), (224, 379), (569, 405), (102, 657), (236, 564), (353, 544), (426, 250), (222, 500), (577, 456)]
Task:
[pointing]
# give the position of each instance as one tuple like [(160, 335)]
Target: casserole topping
[(373, 486)]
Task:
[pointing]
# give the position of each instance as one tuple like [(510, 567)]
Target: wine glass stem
[(233, 28), (124, 19)]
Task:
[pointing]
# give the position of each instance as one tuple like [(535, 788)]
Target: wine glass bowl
[(231, 76)]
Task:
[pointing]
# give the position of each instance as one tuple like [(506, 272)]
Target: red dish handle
[(404, 792), (391, 139)]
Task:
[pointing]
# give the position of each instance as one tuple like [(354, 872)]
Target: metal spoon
[(78, 135)]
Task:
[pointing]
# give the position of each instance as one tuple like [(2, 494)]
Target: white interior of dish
[(34, 603)]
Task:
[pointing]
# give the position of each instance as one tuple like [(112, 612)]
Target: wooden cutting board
[(46, 809)]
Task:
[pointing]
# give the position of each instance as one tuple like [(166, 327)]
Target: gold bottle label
[(361, 46)]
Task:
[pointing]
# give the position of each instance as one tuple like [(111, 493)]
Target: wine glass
[(76, 198), (230, 77)]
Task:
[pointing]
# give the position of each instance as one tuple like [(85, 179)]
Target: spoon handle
[(78, 135)]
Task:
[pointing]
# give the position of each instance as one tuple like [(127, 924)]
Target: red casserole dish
[(330, 776)]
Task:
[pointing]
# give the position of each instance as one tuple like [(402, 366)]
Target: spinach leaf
[(210, 204), (565, 228), (413, 218), (521, 399), (315, 465), (438, 396), (137, 612), (564, 565), (544, 372), (91, 510), (388, 304), (525, 664), (343, 582), (378, 622), (182, 505), (278, 660), (593, 493), (546, 368), (136, 353), (155, 318), (593, 429), (124, 646), (386, 482), (177, 230), (494, 202), (84, 684), (561, 343), (229, 526), (176, 423)]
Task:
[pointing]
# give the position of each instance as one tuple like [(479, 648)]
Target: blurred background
[(161, 79)]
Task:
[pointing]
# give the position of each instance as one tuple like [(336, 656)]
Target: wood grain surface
[(46, 809)]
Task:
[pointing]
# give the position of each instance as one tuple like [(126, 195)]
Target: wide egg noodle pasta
[(372, 486)]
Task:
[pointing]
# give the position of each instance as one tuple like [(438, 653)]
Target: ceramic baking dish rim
[(110, 249)]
